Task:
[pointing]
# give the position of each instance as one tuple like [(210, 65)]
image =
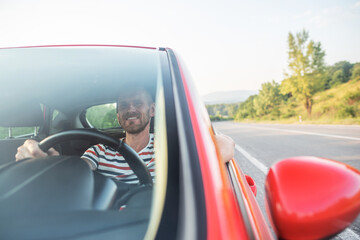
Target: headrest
[(27, 114)]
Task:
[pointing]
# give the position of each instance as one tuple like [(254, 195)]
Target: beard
[(131, 126)]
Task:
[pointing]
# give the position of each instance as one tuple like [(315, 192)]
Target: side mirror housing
[(312, 198)]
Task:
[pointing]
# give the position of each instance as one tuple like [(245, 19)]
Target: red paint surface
[(252, 184), (222, 212), (312, 198), (259, 225)]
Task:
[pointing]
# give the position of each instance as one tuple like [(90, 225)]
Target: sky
[(226, 44)]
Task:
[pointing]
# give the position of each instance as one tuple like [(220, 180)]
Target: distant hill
[(228, 96)]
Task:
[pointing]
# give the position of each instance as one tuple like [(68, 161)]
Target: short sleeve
[(92, 155)]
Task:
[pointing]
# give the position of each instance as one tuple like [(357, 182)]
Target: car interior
[(52, 197), (35, 195)]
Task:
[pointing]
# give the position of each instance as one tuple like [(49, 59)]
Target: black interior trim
[(169, 222)]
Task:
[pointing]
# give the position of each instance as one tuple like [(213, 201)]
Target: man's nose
[(131, 107)]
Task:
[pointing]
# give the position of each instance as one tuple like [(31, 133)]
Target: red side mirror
[(312, 198)]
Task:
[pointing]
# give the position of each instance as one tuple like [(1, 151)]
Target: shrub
[(356, 73), (289, 113), (346, 111), (353, 97)]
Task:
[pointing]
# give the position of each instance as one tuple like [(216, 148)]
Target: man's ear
[(152, 110), (118, 117)]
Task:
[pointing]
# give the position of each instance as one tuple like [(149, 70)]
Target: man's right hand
[(30, 149)]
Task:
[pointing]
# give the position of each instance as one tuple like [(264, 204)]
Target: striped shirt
[(111, 163)]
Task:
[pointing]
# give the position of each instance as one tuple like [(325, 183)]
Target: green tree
[(355, 76), (337, 78), (232, 109), (246, 109), (306, 69), (270, 96), (223, 110), (259, 106), (339, 73)]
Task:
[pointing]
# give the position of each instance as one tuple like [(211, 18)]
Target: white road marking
[(307, 133), (253, 160)]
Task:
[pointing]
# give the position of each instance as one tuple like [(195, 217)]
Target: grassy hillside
[(338, 105)]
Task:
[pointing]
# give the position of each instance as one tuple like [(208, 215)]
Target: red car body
[(224, 217), (320, 214)]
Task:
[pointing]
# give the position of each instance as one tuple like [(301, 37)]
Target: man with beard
[(135, 108)]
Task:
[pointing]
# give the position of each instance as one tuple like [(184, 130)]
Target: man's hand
[(226, 147), (30, 149)]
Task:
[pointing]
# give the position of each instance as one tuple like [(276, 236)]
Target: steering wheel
[(131, 157)]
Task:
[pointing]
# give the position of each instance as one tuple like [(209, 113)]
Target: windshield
[(50, 90)]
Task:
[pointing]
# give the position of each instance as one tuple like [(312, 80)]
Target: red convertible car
[(64, 97)]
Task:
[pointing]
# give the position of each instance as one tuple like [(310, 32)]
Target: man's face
[(135, 110)]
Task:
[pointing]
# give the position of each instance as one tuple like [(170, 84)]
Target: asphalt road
[(258, 146)]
